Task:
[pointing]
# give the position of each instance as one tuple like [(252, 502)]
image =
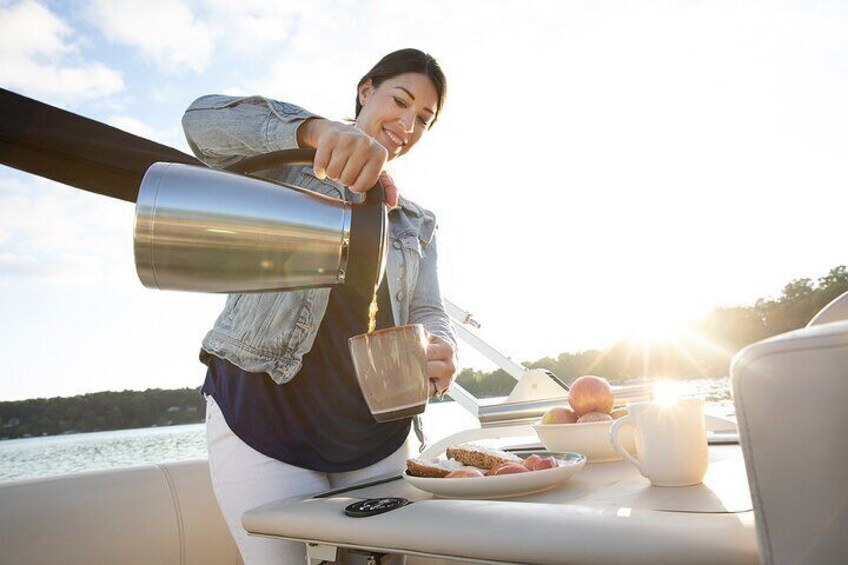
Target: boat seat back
[(835, 311), (164, 514), (791, 397)]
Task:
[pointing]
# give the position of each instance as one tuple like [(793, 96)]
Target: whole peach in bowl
[(559, 415), (590, 394)]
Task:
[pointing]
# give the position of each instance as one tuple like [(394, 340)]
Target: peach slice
[(508, 469), (465, 473), (542, 463), (531, 461)]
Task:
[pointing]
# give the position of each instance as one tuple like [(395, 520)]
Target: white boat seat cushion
[(835, 311), (163, 514), (791, 397)]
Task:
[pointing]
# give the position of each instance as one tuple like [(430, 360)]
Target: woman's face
[(398, 112)]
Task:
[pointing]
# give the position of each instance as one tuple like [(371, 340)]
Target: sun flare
[(667, 392)]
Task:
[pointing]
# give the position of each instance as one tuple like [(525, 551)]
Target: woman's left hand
[(390, 189), (441, 364)]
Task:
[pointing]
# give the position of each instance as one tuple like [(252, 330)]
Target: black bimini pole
[(49, 142)]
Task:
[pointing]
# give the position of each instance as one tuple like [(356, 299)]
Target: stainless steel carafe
[(208, 230)]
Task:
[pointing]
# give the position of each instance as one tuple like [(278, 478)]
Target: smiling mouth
[(394, 138)]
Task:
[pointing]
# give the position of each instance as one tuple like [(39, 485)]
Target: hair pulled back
[(407, 61)]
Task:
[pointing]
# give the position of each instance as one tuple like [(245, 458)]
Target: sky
[(601, 170)]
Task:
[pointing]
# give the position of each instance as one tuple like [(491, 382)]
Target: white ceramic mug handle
[(616, 444)]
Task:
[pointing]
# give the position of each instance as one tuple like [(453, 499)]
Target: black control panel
[(374, 506)]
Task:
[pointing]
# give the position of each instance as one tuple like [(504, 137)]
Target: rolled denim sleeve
[(426, 306), (222, 130)]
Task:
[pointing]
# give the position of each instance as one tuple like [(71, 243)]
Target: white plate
[(503, 486)]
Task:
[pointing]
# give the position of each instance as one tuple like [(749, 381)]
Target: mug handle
[(616, 444)]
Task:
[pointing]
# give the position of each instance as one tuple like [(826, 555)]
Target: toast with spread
[(461, 456)]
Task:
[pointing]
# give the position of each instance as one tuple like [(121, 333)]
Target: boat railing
[(531, 411), (535, 392)]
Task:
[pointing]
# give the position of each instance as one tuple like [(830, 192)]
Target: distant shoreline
[(100, 412), (72, 435)]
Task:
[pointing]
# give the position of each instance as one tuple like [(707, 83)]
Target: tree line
[(100, 411), (704, 350)]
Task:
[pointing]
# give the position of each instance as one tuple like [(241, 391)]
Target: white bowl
[(592, 439)]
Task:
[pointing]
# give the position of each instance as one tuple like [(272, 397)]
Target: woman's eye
[(423, 122), (399, 102)]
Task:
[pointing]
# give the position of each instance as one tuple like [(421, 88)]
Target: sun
[(667, 392)]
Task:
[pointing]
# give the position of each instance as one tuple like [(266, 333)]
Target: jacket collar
[(408, 206)]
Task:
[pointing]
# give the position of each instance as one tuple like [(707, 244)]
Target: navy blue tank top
[(319, 420)]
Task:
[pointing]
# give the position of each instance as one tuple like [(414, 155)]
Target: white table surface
[(605, 513)]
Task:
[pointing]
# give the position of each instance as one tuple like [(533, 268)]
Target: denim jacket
[(271, 332)]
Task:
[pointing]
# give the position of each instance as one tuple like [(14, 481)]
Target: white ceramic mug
[(671, 441)]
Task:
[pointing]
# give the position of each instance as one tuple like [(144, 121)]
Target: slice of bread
[(479, 456), (435, 468)]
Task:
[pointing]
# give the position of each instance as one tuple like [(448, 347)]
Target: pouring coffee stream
[(207, 230)]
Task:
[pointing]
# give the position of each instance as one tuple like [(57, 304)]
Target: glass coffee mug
[(671, 441), (391, 367)]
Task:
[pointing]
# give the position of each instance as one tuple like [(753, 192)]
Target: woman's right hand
[(346, 154)]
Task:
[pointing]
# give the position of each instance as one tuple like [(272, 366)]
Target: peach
[(508, 469), (590, 394), (465, 473), (594, 417), (619, 413), (559, 415)]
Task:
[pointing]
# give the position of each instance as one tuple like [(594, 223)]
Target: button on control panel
[(374, 506)]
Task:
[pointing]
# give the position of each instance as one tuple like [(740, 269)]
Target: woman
[(285, 415)]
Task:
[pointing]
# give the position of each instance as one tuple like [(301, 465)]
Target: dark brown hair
[(407, 61)]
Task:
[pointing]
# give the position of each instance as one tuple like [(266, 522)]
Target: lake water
[(57, 455)]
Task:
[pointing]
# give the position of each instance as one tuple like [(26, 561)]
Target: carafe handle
[(292, 158)]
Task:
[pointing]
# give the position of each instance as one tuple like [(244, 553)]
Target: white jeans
[(243, 479)]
